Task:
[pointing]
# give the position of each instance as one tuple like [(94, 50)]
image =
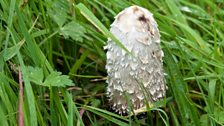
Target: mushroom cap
[(138, 77)]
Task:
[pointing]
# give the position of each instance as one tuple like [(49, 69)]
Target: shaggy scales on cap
[(139, 75)]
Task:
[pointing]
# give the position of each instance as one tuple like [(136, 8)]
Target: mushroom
[(138, 77)]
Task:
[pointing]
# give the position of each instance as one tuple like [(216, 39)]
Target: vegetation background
[(57, 45)]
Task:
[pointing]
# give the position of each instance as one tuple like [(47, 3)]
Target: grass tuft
[(58, 45)]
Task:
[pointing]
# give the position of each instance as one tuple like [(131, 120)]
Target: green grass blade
[(70, 112), (105, 115), (78, 63), (29, 96), (179, 89), (90, 16)]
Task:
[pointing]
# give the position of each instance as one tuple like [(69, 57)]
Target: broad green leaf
[(58, 11), (56, 79), (73, 30), (219, 116), (95, 102), (36, 74), (204, 120)]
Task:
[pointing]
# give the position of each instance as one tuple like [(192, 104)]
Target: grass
[(58, 46)]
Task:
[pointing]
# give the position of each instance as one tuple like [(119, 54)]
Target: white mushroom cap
[(140, 76)]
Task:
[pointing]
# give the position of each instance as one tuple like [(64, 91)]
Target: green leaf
[(56, 79), (219, 116), (53, 79), (73, 30), (58, 11), (12, 51), (36, 74), (204, 120), (95, 102)]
